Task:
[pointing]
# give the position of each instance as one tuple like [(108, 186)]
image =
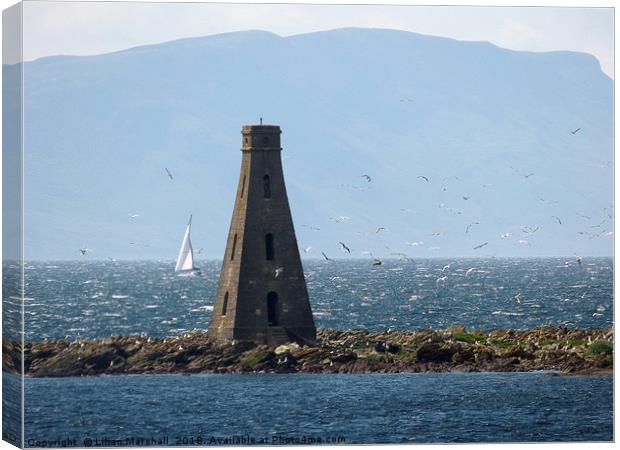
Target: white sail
[(185, 260)]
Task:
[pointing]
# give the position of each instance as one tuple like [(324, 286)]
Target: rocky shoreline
[(558, 349)]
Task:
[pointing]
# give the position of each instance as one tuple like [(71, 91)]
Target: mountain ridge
[(472, 117)]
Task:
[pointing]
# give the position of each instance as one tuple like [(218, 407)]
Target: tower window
[(272, 309), (225, 304), (266, 187), (243, 186), (269, 246), (234, 247)]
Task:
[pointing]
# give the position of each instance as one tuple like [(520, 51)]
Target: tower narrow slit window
[(272, 309), (243, 186), (266, 187), (225, 304), (269, 246), (234, 247)]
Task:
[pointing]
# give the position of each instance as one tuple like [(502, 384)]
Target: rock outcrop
[(567, 351)]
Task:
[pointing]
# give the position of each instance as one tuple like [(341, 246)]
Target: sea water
[(329, 408), (99, 299)]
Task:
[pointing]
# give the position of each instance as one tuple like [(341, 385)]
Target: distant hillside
[(480, 122)]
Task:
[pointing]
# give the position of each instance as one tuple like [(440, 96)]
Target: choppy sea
[(98, 299)]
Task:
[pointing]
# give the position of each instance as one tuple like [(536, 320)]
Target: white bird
[(133, 216), (307, 249), (423, 178), (83, 251), (446, 267), (518, 297), (524, 242), (505, 235), (441, 280), (578, 259), (311, 227), (470, 271), (340, 218), (415, 243), (278, 271), (471, 225)]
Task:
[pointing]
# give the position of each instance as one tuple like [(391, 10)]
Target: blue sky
[(85, 28)]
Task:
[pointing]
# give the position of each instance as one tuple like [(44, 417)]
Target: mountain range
[(465, 143)]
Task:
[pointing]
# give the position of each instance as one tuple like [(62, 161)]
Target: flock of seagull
[(526, 231)]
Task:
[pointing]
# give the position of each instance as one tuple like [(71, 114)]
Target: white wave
[(202, 308), (507, 313)]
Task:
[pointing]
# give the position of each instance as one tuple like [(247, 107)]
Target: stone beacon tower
[(262, 294)]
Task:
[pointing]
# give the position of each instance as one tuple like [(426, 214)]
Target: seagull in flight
[(83, 251), (557, 218), (376, 262), (278, 271), (307, 249), (379, 229), (340, 218), (344, 247), (471, 225), (133, 216), (480, 246), (168, 173), (529, 230), (367, 177), (424, 178), (528, 175), (325, 256), (573, 132), (470, 271)]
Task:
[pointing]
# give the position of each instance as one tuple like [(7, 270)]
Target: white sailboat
[(185, 262)]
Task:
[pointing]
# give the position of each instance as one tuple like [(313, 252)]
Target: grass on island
[(600, 348), (469, 337)]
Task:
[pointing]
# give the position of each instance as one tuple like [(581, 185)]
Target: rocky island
[(556, 349)]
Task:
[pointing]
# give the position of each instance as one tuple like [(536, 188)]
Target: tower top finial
[(261, 120)]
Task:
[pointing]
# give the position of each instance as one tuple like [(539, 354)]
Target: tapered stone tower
[(262, 294)]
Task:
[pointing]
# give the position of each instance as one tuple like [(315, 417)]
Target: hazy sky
[(86, 28)]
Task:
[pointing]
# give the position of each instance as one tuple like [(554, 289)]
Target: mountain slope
[(473, 118)]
